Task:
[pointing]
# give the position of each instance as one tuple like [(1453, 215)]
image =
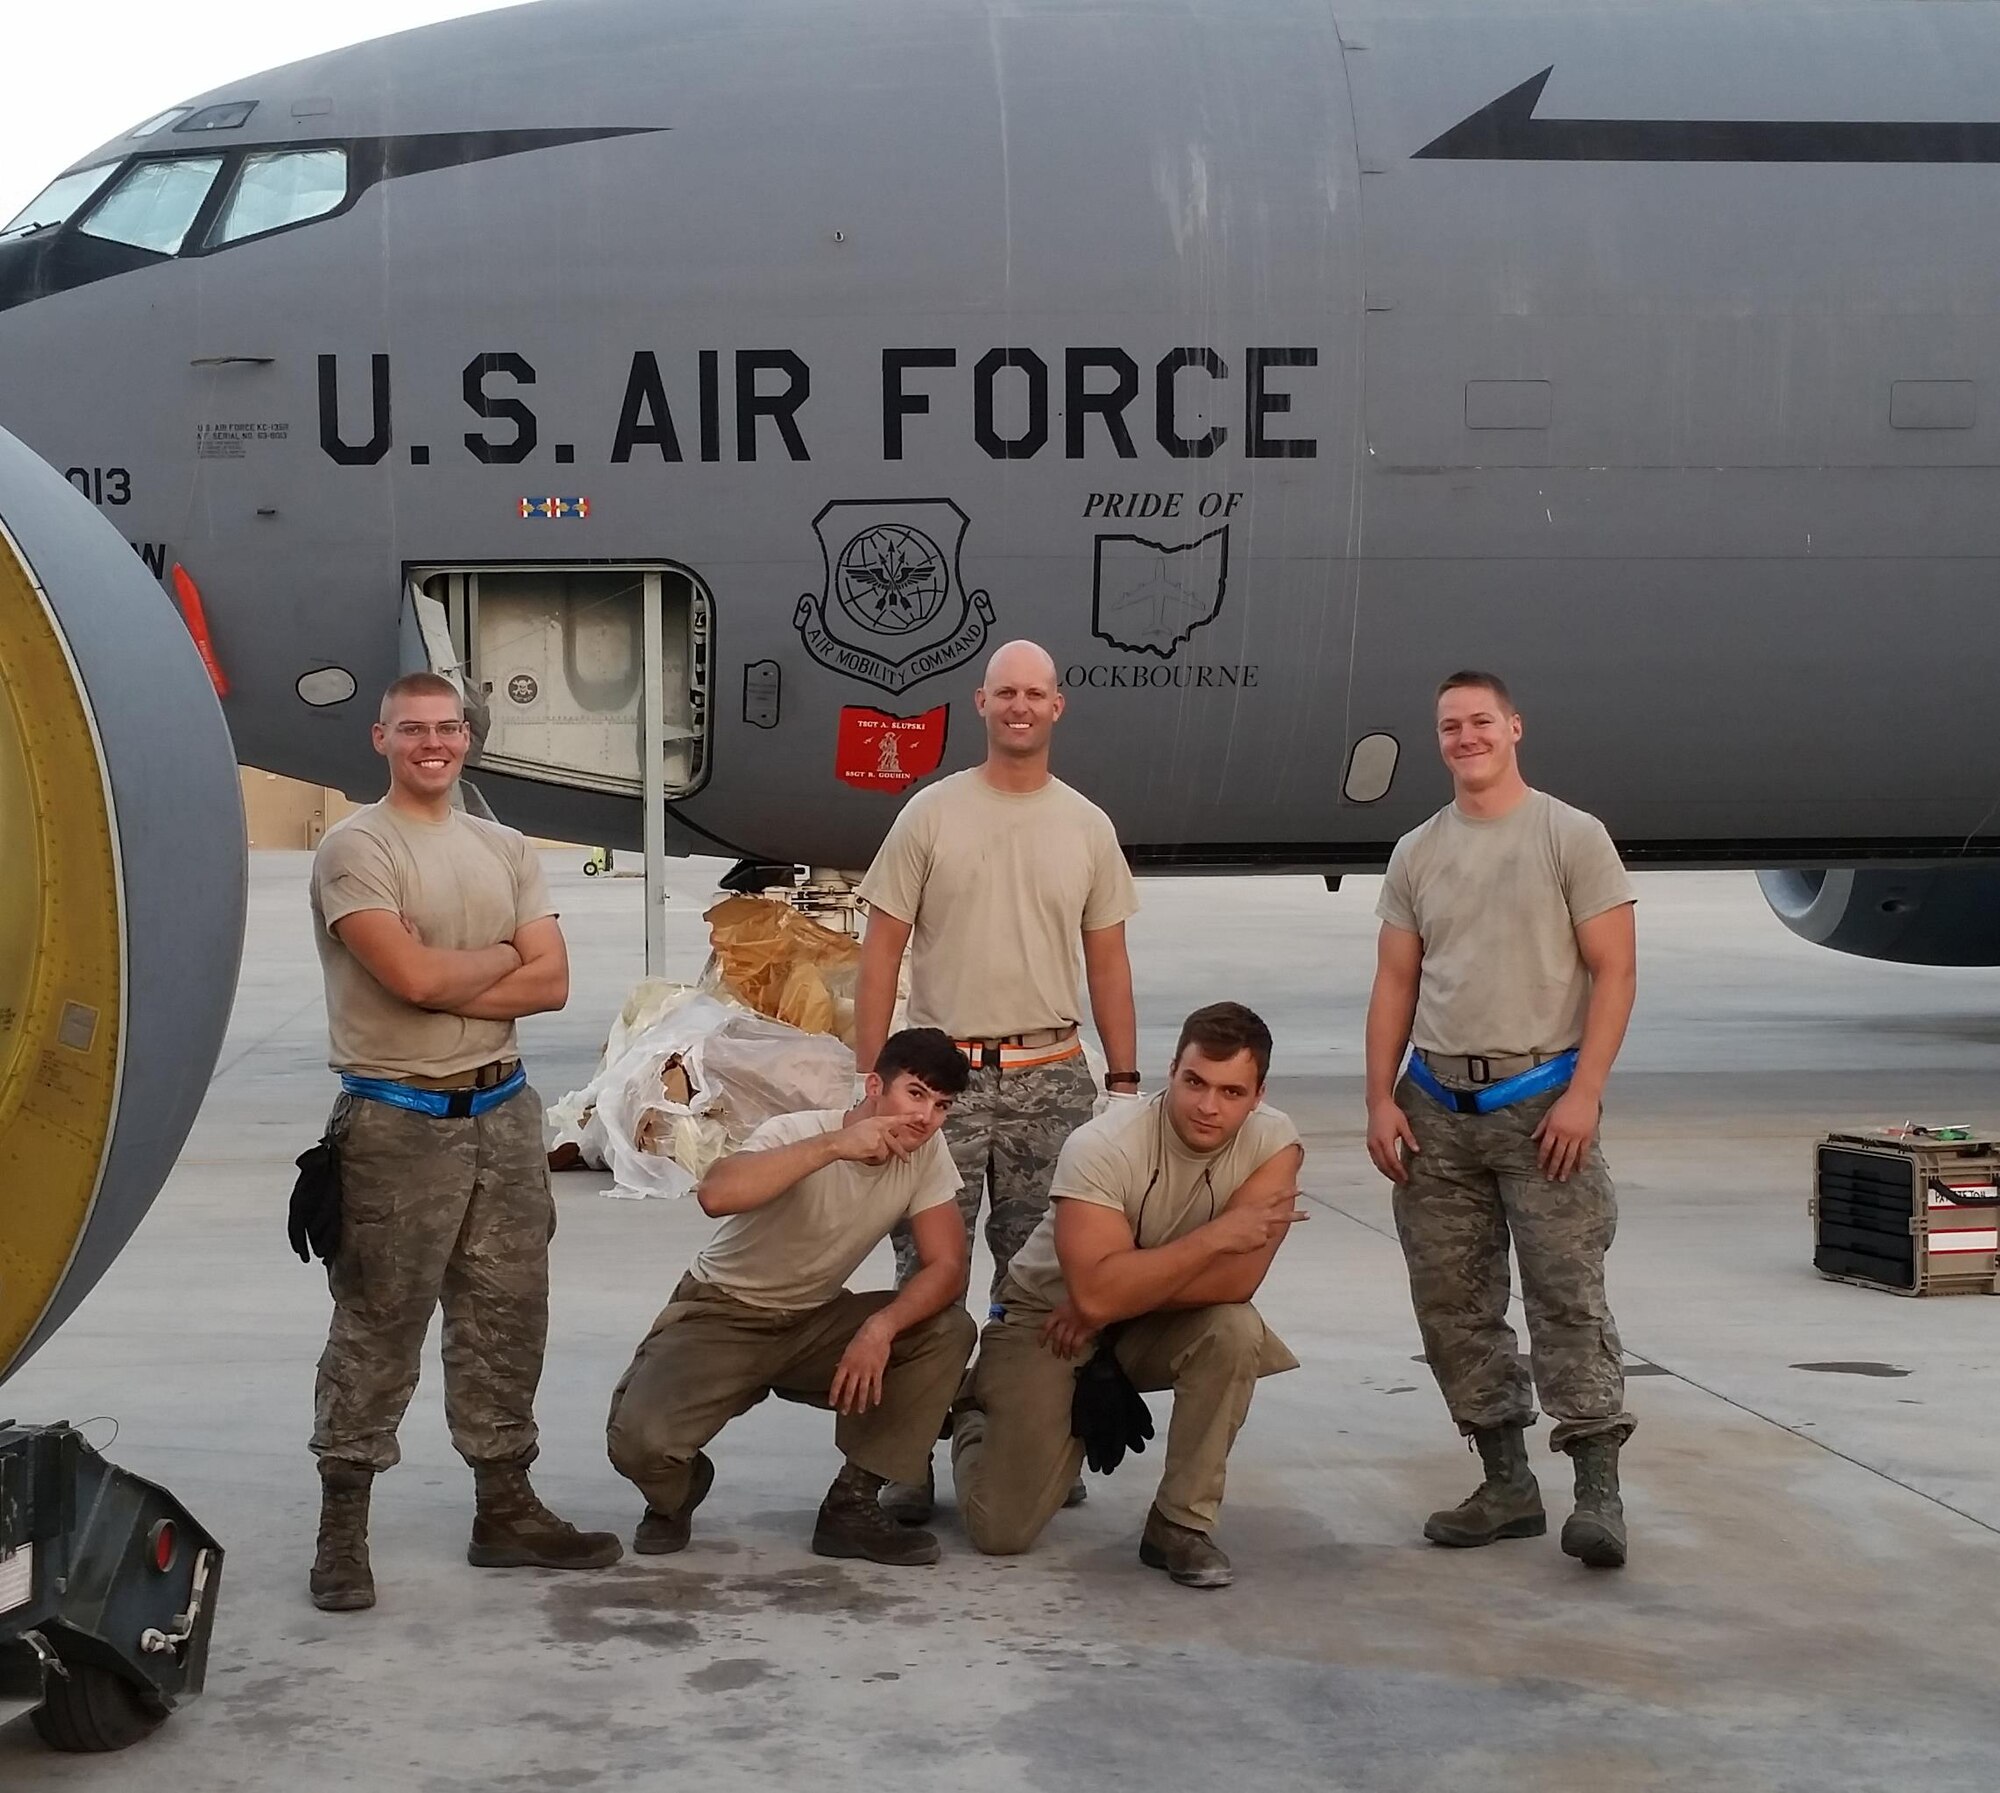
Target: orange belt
[(998, 1055)]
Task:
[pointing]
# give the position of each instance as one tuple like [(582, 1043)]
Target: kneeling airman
[(1165, 1216)]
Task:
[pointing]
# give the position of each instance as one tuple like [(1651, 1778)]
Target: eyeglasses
[(422, 731)]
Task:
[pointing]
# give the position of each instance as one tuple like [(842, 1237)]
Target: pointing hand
[(877, 1139), (1254, 1225)]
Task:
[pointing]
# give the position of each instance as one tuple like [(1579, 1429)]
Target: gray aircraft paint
[(177, 821), (1696, 451)]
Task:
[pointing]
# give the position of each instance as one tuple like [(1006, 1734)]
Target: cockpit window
[(58, 201), (154, 204), (160, 120), (230, 117), (284, 187)]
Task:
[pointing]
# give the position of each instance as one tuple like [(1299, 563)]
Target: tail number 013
[(101, 485)]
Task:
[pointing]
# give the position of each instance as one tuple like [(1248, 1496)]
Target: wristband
[(1131, 1077)]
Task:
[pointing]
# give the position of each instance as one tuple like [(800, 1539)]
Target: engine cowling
[(1930, 916), (122, 889)]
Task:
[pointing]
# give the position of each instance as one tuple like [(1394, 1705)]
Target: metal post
[(653, 771)]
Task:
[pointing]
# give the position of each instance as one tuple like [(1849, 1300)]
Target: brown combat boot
[(911, 1503), (661, 1534), (341, 1580), (1595, 1533), (1508, 1504), (852, 1523), (1192, 1558), (513, 1530)]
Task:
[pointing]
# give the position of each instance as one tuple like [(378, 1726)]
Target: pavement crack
[(229, 1064), (1663, 1369), (1332, 1207), (1832, 1450)]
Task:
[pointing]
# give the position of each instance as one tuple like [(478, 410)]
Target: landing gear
[(823, 893), (758, 877)]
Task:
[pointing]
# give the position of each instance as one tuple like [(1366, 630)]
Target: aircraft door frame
[(558, 651)]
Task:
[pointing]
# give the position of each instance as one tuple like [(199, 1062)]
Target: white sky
[(81, 74)]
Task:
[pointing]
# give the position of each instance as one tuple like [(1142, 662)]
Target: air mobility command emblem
[(894, 609)]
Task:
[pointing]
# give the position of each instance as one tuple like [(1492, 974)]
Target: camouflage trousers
[(1005, 1132), (1474, 1186), (451, 1211)]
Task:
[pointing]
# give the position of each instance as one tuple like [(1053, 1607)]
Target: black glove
[(314, 1219), (1107, 1412)]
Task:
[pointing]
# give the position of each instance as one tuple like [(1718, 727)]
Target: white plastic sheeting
[(740, 1070)]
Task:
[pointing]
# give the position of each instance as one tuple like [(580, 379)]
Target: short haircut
[(422, 684), (928, 1055), (1045, 663), (1224, 1029), (1480, 681)]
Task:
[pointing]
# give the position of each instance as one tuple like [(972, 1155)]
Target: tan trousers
[(1013, 1458), (710, 1357)]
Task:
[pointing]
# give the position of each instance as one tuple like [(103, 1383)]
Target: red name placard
[(880, 752)]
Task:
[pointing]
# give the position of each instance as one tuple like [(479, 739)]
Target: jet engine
[(122, 888), (1933, 915)]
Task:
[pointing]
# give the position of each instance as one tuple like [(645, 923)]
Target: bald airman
[(1007, 887)]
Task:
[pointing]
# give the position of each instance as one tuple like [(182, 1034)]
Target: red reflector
[(166, 1542)]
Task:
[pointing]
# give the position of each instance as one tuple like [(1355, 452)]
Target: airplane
[(755, 366), (1265, 359)]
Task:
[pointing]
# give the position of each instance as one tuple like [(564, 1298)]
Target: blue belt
[(1543, 1078), (439, 1104)]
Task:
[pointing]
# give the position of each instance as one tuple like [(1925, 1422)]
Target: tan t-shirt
[(796, 1252), (1111, 1163), (1497, 904), (998, 888), (465, 883)]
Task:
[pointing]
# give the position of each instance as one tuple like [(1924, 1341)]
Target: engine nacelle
[(1933, 916)]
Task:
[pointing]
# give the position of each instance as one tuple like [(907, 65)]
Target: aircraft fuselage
[(1265, 362)]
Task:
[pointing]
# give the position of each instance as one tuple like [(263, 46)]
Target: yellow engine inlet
[(61, 957)]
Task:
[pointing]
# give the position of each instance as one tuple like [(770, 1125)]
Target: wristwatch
[(1131, 1078)]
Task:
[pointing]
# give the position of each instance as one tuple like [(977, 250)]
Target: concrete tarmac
[(1814, 1491)]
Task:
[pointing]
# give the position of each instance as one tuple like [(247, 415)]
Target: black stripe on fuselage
[(1508, 131)]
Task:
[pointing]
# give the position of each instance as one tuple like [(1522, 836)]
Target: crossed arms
[(1111, 1277), (528, 975)]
